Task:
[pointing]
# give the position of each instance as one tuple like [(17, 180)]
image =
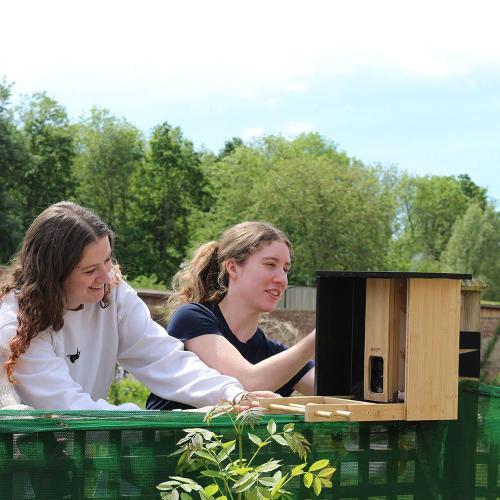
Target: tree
[(167, 186), (428, 209), (110, 151), (337, 212), (13, 155), (473, 248), (47, 176)]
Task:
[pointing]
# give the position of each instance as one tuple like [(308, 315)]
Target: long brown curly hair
[(52, 247), (205, 278)]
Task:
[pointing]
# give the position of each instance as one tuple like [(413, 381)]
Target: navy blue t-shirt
[(194, 319)]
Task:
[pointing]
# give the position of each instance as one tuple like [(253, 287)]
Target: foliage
[(149, 282), (110, 150), (167, 187), (46, 177), (473, 246), (337, 212), (127, 390), (13, 154), (230, 474), (429, 207)]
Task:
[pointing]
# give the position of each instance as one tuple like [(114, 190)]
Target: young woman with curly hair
[(67, 317), (217, 302)]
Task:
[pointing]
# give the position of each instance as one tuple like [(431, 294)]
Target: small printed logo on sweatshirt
[(73, 357)]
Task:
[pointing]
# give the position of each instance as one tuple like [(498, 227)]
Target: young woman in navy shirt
[(217, 302)]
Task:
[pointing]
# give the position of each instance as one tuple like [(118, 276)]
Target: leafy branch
[(230, 475)]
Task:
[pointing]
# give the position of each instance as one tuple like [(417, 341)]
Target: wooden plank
[(378, 293), (385, 326), (433, 325), (356, 413)]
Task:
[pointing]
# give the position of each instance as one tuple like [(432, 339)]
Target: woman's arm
[(160, 362), (269, 374), (306, 384)]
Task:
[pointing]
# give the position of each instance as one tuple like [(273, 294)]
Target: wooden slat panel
[(433, 325), (358, 413)]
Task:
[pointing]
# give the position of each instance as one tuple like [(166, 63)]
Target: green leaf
[(308, 479), (298, 469), (317, 486), (269, 466), (228, 444), (280, 439), (224, 453), (326, 482), (328, 472), (211, 489), (167, 485), (212, 473), (185, 480), (319, 464), (288, 427), (255, 439), (185, 496), (241, 471), (267, 481), (271, 427), (205, 455), (245, 482)]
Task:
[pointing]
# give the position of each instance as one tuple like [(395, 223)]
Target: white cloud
[(296, 86), (195, 48), (297, 128), (252, 132)]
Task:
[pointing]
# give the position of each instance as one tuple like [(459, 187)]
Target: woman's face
[(262, 278), (85, 284)]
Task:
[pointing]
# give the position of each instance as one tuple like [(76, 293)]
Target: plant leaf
[(167, 485), (255, 439), (271, 427), (319, 464), (308, 479), (317, 486), (280, 439), (212, 473), (211, 489), (298, 469), (326, 482), (328, 472), (185, 480), (268, 466), (267, 481), (245, 482)]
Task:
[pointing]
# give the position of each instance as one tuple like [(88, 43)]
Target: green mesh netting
[(107, 455)]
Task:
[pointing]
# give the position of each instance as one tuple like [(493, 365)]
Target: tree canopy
[(163, 197)]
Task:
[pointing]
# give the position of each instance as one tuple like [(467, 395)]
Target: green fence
[(107, 455)]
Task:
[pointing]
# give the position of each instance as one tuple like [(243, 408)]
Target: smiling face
[(262, 278), (85, 284)]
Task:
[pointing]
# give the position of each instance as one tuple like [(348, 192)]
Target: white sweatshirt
[(73, 368)]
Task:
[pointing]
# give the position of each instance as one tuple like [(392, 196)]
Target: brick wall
[(490, 321)]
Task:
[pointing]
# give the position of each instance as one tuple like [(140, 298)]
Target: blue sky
[(410, 84)]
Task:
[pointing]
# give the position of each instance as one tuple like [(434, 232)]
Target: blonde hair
[(205, 279)]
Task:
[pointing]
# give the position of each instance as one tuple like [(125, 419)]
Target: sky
[(415, 85)]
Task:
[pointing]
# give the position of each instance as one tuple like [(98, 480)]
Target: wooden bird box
[(387, 347)]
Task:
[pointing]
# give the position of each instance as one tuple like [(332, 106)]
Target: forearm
[(274, 372)]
